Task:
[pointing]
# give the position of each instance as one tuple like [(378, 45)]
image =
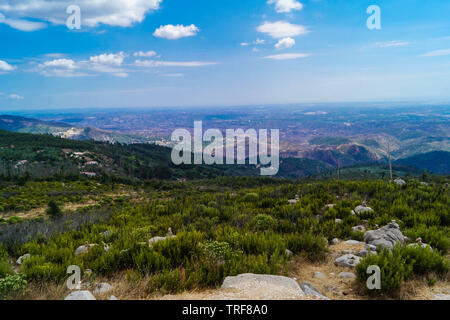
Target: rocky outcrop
[(80, 295), (386, 237)]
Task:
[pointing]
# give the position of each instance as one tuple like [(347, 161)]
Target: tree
[(53, 210)]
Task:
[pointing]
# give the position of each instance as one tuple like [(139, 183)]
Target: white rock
[(335, 241), (386, 237), (113, 298), (400, 182), (158, 239), (23, 258), (83, 249), (80, 295), (338, 221)]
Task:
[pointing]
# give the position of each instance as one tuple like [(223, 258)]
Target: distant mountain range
[(326, 156), (64, 130)]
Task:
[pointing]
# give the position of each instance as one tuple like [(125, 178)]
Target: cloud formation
[(172, 32), (287, 56), (157, 63), (437, 53), (286, 6), (285, 43), (122, 13), (5, 66), (282, 29), (15, 97), (145, 54)]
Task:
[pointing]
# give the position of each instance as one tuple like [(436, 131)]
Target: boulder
[(400, 182), (23, 258), (84, 249), (363, 209), (158, 239), (386, 237), (249, 282), (348, 260), (335, 241), (80, 295), (310, 290), (347, 275), (102, 288)]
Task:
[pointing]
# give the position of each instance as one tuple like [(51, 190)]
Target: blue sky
[(145, 53)]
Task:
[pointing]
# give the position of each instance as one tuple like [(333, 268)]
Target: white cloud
[(123, 13), (282, 29), (155, 63), (286, 6), (5, 66), (59, 68), (22, 25), (390, 44), (15, 97), (259, 41), (287, 56), (60, 63), (111, 59), (172, 32), (285, 43), (245, 44), (145, 54), (437, 53)]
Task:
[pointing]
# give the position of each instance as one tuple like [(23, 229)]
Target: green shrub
[(313, 247), (53, 210), (400, 264), (263, 222), (12, 284)]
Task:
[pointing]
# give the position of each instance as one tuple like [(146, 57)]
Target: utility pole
[(390, 162)]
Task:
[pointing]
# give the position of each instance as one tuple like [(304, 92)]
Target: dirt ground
[(331, 286)]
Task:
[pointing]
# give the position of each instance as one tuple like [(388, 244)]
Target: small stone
[(319, 275), (338, 220), (353, 242), (289, 253), (113, 298), (335, 241), (348, 260), (348, 275)]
